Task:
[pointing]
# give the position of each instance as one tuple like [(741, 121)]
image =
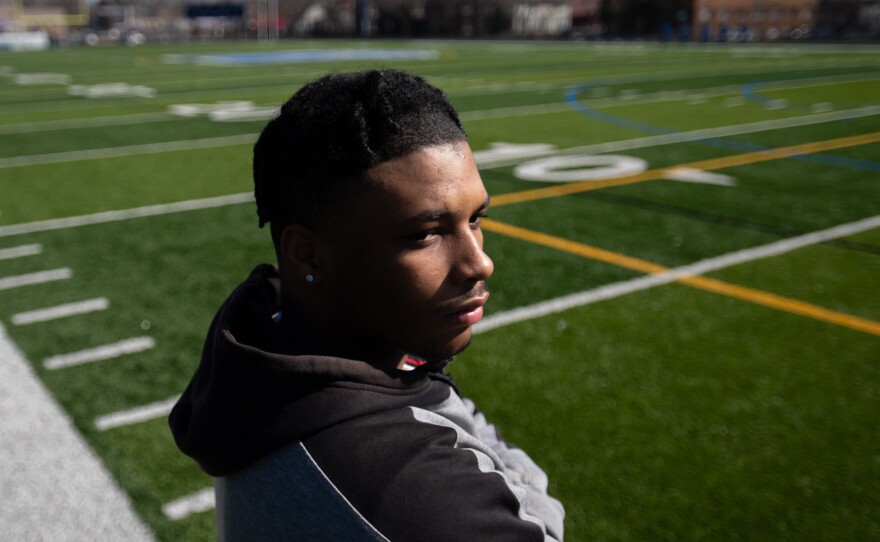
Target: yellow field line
[(703, 165), (703, 283), (572, 247), (783, 303)]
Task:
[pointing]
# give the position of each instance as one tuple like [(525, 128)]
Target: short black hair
[(313, 155)]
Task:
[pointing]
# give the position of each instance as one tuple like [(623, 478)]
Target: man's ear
[(301, 254)]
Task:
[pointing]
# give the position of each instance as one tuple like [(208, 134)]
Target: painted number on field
[(579, 168), (25, 79), (499, 154), (541, 162), (225, 111), (111, 90)]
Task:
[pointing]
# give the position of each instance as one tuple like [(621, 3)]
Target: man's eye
[(423, 235), (477, 219)]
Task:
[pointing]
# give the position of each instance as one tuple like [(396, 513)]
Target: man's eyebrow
[(429, 216), (440, 214)]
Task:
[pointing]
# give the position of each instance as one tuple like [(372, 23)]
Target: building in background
[(754, 20), (48, 15), (848, 20), (133, 21), (742, 20), (656, 19)]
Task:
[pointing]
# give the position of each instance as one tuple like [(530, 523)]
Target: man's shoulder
[(417, 474), (283, 493), (402, 474)]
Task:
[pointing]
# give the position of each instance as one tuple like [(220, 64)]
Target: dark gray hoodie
[(315, 448)]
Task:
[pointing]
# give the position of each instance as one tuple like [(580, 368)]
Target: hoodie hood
[(250, 396)]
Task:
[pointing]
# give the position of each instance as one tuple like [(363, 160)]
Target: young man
[(321, 404)]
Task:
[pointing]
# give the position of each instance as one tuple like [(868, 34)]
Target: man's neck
[(309, 337)]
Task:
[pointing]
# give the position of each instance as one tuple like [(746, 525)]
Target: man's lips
[(469, 312)]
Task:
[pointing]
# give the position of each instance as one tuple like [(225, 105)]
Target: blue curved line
[(571, 98), (748, 91)]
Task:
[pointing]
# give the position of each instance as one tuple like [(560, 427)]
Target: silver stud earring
[(310, 278)]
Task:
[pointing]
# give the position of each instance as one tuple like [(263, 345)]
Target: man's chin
[(444, 353)]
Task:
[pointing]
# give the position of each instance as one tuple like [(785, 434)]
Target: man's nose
[(472, 263)]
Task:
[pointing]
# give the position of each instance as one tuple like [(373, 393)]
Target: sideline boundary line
[(687, 274), (48, 466)]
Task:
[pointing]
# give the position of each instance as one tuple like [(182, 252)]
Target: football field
[(684, 328)]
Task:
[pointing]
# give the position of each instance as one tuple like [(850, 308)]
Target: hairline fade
[(311, 158)]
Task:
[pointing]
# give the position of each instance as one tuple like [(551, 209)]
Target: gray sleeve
[(523, 475), (417, 475), (523, 472)]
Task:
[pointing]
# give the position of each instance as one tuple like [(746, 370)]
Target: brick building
[(677, 20), (749, 20), (741, 20)]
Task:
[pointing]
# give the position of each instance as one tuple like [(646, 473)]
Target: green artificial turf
[(669, 413)]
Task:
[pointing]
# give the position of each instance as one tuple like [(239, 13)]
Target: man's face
[(410, 270)]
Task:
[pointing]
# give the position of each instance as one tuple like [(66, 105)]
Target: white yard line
[(99, 353), (203, 500), (200, 501), (773, 68), (515, 111), (473, 116), (579, 299), (819, 81), (128, 150), (705, 133), (88, 122), (613, 146), (521, 86), (629, 99), (623, 99), (135, 415), (125, 214), (20, 251), (48, 471), (61, 311), (617, 289), (777, 248), (467, 116), (39, 277), (485, 88), (726, 131), (671, 75)]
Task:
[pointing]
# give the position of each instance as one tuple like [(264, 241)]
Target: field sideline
[(684, 328)]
